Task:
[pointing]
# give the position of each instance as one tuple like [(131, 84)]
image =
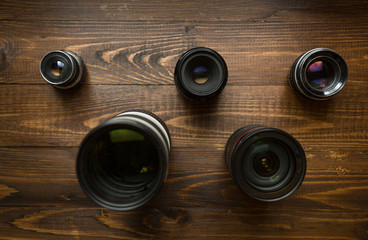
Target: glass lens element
[(57, 68), (320, 75), (200, 75), (126, 158), (266, 164)]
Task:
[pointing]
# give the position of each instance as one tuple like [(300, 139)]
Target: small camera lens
[(123, 162), (200, 74), (62, 69), (266, 163), (318, 74)]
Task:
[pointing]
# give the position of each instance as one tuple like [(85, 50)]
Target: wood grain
[(47, 177), (198, 190), (130, 49), (173, 223), (213, 11), (64, 118), (257, 54)]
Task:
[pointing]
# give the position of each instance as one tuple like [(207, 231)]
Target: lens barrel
[(200, 74), (123, 162), (318, 74), (62, 69), (268, 164)]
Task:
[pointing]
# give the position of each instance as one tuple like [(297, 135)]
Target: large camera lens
[(266, 163), (200, 74), (62, 69), (318, 74), (123, 162)]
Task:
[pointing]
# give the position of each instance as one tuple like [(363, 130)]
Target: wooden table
[(130, 49)]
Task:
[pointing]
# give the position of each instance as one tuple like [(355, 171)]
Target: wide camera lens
[(200, 74), (266, 163), (62, 69), (123, 162), (318, 74)]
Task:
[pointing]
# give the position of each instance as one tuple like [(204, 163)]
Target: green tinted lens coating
[(265, 163), (125, 158), (125, 135)]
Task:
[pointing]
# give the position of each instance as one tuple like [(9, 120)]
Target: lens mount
[(123, 162), (62, 69), (200, 74), (268, 164), (318, 74)]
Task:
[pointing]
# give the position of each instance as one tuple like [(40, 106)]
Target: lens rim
[(239, 143), (133, 198), (73, 72), (215, 83), (298, 74)]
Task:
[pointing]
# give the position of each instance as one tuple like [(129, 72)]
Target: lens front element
[(267, 163), (62, 69), (123, 162), (124, 157), (57, 68), (318, 74), (200, 74)]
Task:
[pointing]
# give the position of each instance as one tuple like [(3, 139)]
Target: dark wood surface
[(130, 49)]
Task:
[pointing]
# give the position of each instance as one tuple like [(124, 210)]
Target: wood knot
[(6, 191), (189, 29), (68, 196), (342, 171), (168, 219)]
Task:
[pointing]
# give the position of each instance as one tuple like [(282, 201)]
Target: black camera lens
[(318, 74), (62, 69), (200, 74), (123, 162), (268, 164)]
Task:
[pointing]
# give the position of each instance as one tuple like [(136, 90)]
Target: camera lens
[(318, 74), (200, 74), (62, 69), (266, 163), (123, 162)]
